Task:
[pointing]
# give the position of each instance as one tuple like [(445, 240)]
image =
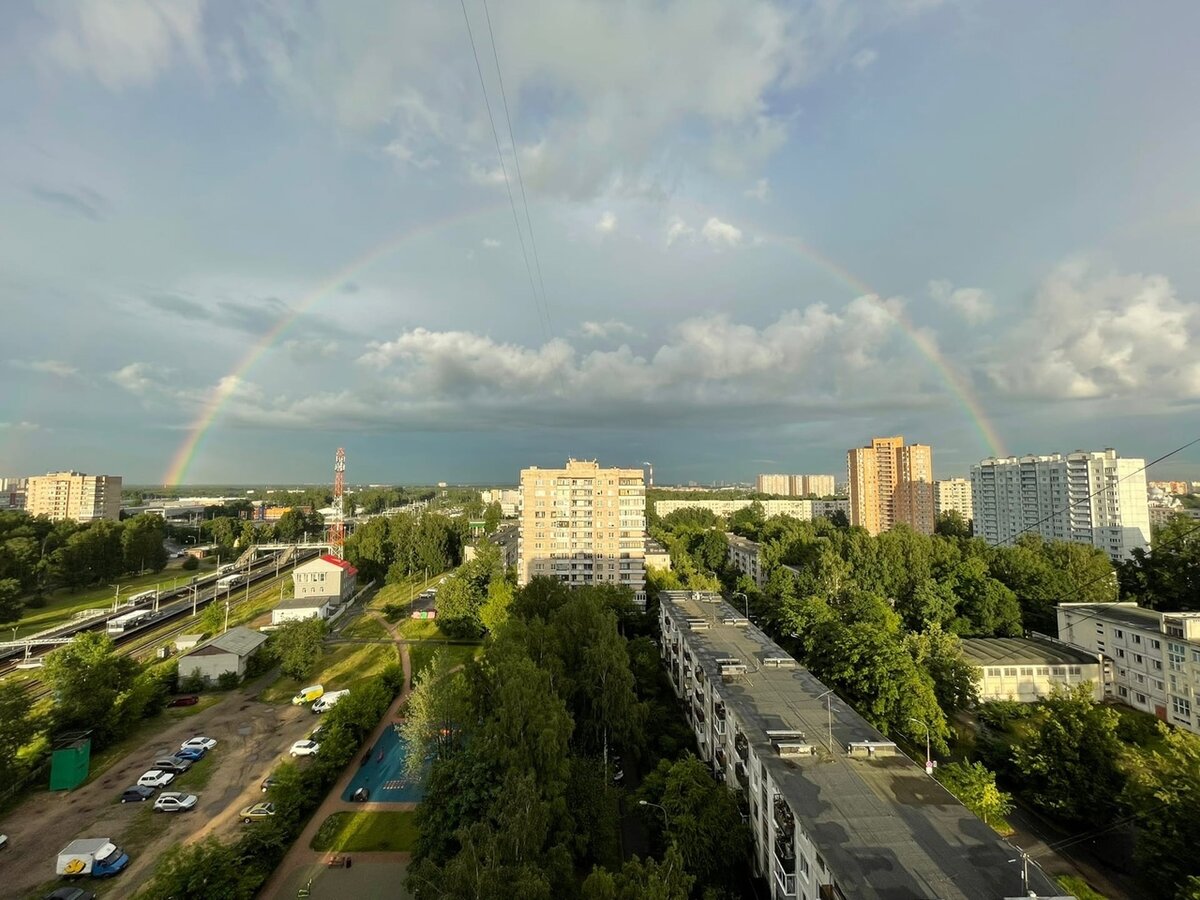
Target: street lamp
[(928, 758), (661, 808), (737, 594), (828, 696)]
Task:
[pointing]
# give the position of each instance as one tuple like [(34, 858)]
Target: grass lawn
[(420, 630), (105, 758), (1079, 888), (197, 777), (61, 605), (340, 667), (144, 827), (363, 832), (421, 655), (367, 627), (403, 591)]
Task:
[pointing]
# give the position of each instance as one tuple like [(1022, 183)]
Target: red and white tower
[(337, 531)]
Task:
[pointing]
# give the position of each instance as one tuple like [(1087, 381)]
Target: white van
[(327, 702), (308, 695)]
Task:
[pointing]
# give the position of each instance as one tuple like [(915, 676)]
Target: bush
[(191, 564), (37, 601), (394, 612), (227, 681), (1002, 713), (193, 683)]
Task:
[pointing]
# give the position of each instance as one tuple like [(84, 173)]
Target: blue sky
[(735, 204)]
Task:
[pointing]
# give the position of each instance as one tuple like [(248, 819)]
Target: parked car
[(171, 801), (269, 782), (257, 811), (192, 754), (3, 841), (308, 694), (205, 743), (305, 748), (70, 893), (362, 795), (173, 764), (136, 794), (328, 701), (189, 700), (316, 731), (156, 778)]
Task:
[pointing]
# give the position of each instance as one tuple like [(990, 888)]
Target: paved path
[(301, 857), (1039, 839)]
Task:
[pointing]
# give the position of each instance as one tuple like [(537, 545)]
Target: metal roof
[(886, 829), (315, 602), (1129, 614), (1019, 651), (240, 641), (330, 560)]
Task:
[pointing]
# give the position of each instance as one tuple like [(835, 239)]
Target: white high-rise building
[(953, 494), (1087, 497)]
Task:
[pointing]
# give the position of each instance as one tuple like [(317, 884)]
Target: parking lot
[(253, 738)]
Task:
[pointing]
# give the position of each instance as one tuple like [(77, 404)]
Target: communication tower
[(337, 531)]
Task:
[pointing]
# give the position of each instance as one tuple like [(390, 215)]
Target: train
[(130, 621)]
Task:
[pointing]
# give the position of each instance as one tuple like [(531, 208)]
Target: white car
[(198, 743), (156, 778), (305, 748), (169, 801)]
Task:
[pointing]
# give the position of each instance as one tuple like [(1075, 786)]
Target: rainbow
[(226, 387), (958, 385)]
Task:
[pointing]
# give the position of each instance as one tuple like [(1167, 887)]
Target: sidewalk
[(300, 857)]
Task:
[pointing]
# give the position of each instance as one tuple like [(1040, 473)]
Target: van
[(308, 694), (328, 701)]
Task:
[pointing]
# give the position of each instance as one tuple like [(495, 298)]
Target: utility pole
[(828, 697), (928, 756), (195, 597)]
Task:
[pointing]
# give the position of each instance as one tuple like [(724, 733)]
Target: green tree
[(988, 608), (975, 786), (437, 709), (292, 525), (492, 517), (1164, 794), (88, 678), (11, 602), (642, 880), (494, 611), (200, 871), (17, 728), (142, 543), (952, 525), (298, 646), (459, 602), (1168, 575), (1069, 764), (939, 653)]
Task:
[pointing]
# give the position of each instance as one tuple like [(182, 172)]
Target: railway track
[(153, 634)]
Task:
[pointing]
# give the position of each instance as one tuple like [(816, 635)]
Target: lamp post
[(660, 808), (828, 696), (928, 757), (116, 596), (1024, 860), (737, 594)]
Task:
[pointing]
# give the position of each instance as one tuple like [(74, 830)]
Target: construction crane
[(337, 531)]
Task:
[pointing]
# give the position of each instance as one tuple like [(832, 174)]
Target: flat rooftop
[(1136, 616), (1023, 651), (885, 828)]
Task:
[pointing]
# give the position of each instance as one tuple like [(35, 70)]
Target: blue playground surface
[(383, 773)]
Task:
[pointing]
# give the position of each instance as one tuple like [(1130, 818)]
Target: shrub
[(394, 612), (227, 681), (37, 601), (191, 564), (193, 683)]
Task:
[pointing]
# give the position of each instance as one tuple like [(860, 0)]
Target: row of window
[(1029, 671)]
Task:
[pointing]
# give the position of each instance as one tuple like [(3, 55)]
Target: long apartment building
[(1154, 656), (805, 510), (74, 496), (836, 810), (953, 495), (745, 555), (796, 485), (1087, 497), (583, 525), (891, 483)]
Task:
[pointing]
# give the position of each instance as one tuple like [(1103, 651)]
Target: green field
[(1079, 888), (420, 630), (403, 591), (366, 627), (340, 667), (365, 832)]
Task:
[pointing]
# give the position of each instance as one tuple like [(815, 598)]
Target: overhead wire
[(517, 163), (542, 320)]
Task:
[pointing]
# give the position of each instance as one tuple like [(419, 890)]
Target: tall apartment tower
[(780, 485), (75, 496), (954, 495), (1087, 497), (891, 483), (583, 525)]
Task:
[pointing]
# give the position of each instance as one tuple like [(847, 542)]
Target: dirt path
[(300, 857), (252, 738)]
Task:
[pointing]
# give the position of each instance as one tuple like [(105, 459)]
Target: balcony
[(785, 855), (741, 746), (784, 882), (739, 772), (784, 822)]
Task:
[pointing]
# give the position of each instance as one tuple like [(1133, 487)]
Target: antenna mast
[(337, 531)]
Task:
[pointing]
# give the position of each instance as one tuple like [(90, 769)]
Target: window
[(993, 673), (1140, 698), (1010, 673), (1181, 707), (1175, 655), (1076, 670), (1137, 638), (1026, 672), (1119, 633), (1120, 653), (1157, 664), (1124, 692), (1137, 658)]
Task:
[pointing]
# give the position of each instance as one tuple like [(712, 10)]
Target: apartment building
[(74, 496), (657, 556), (12, 493), (583, 525), (805, 510), (780, 485), (836, 810), (745, 555), (953, 495), (891, 483), (796, 485), (1087, 497), (1028, 669), (1154, 656)]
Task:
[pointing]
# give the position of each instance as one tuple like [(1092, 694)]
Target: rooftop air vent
[(698, 624), (870, 748), (735, 621), (793, 748), (779, 662), (731, 667)]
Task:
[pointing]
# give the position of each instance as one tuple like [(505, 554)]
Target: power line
[(1070, 506), (517, 163), (504, 170)]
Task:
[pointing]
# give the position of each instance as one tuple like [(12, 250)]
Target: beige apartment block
[(954, 495), (583, 525), (780, 485), (74, 496), (891, 483)]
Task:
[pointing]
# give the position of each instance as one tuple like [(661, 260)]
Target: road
[(1094, 859)]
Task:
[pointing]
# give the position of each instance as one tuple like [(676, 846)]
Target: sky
[(743, 235)]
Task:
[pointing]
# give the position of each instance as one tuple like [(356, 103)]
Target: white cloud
[(864, 58), (721, 234), (125, 43), (401, 151), (486, 177), (1103, 335), (142, 379), (607, 223), (760, 191), (490, 243), (19, 426), (609, 329), (973, 304), (46, 366), (677, 229)]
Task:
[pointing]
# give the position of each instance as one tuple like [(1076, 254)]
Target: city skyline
[(235, 239)]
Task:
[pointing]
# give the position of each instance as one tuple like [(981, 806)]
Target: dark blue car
[(192, 753)]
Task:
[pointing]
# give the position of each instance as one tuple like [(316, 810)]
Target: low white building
[(805, 510), (327, 577), (296, 609), (228, 652), (1028, 669)]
